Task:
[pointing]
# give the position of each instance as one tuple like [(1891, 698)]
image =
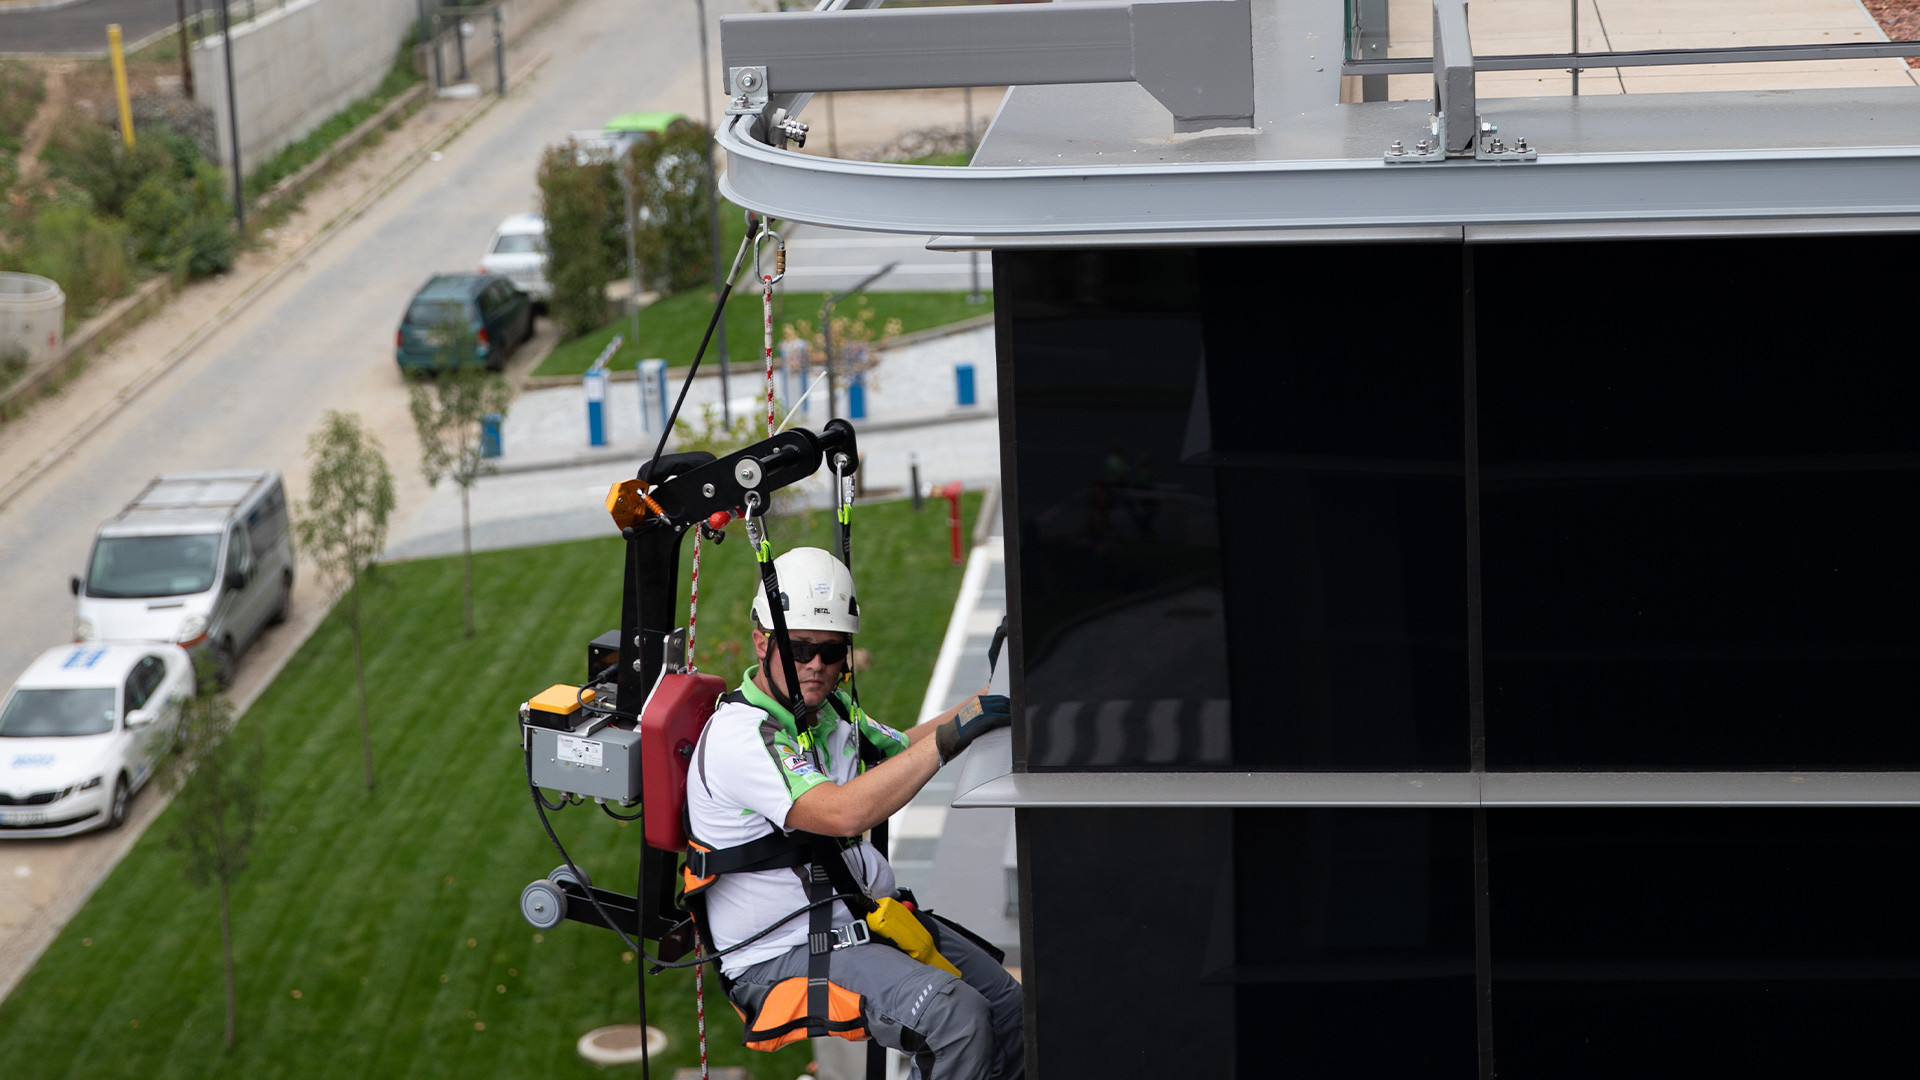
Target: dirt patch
[(41, 126)]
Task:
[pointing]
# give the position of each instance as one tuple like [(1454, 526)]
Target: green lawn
[(672, 327), (379, 934)]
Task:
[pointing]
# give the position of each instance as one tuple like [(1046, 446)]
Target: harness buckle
[(845, 937)]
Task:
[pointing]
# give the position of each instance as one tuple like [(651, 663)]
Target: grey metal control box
[(594, 760)]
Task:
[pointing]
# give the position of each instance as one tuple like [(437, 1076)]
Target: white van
[(201, 559)]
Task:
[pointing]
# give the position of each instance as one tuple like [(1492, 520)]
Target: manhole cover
[(620, 1044)]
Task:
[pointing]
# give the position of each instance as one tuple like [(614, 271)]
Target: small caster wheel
[(563, 875), (543, 904)]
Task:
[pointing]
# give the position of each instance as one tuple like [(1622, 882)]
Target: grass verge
[(378, 934), (672, 327)]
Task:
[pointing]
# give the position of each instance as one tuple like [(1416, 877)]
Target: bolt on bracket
[(1430, 150), (747, 87)]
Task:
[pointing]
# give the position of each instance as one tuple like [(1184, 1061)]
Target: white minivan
[(204, 560)]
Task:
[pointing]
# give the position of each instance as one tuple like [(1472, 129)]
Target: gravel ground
[(1900, 19)]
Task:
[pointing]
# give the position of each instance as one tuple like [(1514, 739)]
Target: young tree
[(446, 412), (212, 769), (343, 527)]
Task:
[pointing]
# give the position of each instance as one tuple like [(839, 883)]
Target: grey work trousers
[(953, 1029)]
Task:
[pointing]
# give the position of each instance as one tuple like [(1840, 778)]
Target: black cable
[(621, 817), (657, 963), (719, 310), (580, 698)]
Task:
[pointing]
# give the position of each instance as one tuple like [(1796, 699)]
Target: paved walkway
[(550, 483)]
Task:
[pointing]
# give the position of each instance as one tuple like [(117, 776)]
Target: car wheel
[(223, 664), (117, 810), (286, 600)]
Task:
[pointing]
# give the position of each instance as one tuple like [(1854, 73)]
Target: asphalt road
[(82, 28)]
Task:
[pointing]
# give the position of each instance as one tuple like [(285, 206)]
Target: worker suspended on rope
[(776, 807)]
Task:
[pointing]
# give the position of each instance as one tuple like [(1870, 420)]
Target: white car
[(518, 251), (77, 733)]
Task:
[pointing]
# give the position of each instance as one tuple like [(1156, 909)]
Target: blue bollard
[(653, 395), (490, 435), (963, 375), (856, 400), (596, 387)]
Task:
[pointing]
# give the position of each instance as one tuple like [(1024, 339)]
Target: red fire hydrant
[(951, 493)]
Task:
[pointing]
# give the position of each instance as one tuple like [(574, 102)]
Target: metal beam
[(1194, 56), (1748, 54), (1112, 790), (1175, 197)]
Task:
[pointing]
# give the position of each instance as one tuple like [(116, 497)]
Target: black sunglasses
[(829, 652)]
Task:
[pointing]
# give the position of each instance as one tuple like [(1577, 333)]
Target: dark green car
[(459, 319)]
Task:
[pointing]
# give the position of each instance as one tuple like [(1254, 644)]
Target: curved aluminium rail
[(987, 202)]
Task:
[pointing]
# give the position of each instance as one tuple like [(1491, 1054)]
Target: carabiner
[(779, 256)]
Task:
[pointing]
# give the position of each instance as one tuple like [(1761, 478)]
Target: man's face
[(817, 677)]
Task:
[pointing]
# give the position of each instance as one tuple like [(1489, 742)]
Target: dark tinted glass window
[(1119, 566), (1698, 509), (428, 314), (1339, 451), (1353, 941), (1696, 942), (142, 680)]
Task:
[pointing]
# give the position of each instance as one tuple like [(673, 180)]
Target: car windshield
[(40, 713), (125, 566), (431, 313), (518, 243)]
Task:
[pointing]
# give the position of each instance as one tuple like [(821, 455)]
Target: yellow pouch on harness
[(890, 919)]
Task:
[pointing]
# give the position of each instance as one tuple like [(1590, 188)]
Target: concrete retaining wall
[(295, 67)]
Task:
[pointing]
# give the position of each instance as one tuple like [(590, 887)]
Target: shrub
[(670, 172), (172, 200), (92, 158), (85, 253), (580, 200)]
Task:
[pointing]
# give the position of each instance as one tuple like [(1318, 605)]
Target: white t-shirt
[(749, 767)]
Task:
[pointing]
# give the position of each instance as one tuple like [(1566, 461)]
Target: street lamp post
[(233, 122), (713, 210)]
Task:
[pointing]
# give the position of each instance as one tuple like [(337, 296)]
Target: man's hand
[(976, 716)]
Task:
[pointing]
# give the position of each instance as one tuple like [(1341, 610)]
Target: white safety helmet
[(817, 591)]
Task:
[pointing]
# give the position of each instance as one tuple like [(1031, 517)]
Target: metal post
[(439, 73), (713, 210), (119, 60), (1576, 47), (913, 478), (460, 28), (621, 169), (233, 122), (499, 53), (973, 257), (1373, 43), (186, 49)]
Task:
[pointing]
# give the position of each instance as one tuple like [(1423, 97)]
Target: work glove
[(980, 714)]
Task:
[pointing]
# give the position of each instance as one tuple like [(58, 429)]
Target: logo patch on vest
[(798, 765)]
